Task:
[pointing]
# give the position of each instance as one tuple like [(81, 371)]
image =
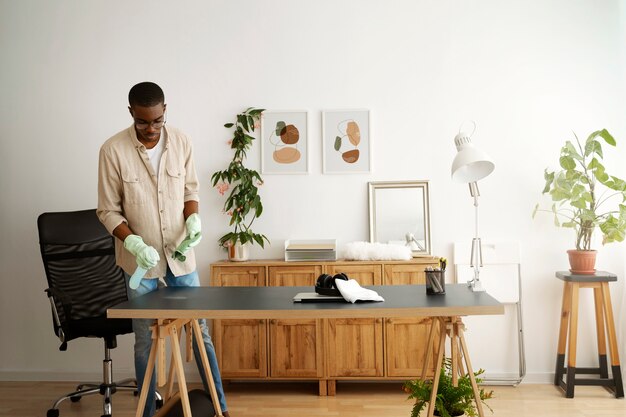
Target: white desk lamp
[(470, 165)]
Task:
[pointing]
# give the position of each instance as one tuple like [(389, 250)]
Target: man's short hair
[(146, 94)]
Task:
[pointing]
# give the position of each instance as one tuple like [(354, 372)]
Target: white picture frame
[(346, 142), (285, 142)]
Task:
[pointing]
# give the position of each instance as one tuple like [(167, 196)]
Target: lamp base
[(476, 286)]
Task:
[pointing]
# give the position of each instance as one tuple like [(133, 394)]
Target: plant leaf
[(604, 134), (567, 162)]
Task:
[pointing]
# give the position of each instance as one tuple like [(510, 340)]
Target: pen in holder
[(435, 281)]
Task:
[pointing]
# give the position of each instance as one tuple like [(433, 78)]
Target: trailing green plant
[(450, 400), (584, 195), (243, 203)]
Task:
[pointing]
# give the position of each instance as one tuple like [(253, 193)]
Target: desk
[(180, 305)]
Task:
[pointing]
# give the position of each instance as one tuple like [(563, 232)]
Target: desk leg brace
[(453, 327)]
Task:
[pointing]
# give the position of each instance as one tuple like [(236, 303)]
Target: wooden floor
[(32, 399)]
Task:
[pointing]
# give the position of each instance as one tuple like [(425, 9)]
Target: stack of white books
[(311, 250)]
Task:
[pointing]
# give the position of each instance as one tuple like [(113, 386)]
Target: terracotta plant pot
[(582, 262)]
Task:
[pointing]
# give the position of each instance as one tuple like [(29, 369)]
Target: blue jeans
[(143, 341)]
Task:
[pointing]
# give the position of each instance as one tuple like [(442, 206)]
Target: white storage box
[(311, 250)]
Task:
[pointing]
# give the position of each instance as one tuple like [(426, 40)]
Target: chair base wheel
[(53, 412), (75, 399), (159, 403)]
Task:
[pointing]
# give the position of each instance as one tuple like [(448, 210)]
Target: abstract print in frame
[(284, 142), (346, 142)]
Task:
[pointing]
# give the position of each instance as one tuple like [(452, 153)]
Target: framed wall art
[(284, 142), (346, 142)]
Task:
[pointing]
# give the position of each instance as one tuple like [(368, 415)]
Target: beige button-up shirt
[(129, 191)]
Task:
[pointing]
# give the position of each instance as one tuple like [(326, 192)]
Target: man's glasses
[(144, 125)]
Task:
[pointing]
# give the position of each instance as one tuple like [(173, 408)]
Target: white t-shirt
[(155, 153)]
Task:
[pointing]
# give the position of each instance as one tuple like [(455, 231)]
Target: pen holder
[(435, 282)]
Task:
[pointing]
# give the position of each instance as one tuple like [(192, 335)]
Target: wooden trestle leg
[(452, 327)]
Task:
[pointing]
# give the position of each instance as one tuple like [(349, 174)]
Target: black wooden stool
[(604, 326)]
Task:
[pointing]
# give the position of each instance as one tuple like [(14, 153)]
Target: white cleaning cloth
[(352, 291)]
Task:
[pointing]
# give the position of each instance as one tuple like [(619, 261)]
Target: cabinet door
[(296, 348), (238, 276), (355, 347), (406, 338), (294, 275), (363, 274), (240, 345), (295, 345), (405, 343)]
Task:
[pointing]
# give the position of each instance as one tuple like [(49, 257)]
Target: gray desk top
[(277, 303), (599, 276)]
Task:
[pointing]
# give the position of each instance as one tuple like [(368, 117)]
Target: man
[(148, 200)]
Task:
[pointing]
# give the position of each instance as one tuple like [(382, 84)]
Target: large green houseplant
[(450, 400), (243, 203), (585, 196)]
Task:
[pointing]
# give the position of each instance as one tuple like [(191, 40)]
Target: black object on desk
[(604, 322), (435, 282)]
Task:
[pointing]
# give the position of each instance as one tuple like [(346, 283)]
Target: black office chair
[(83, 279)]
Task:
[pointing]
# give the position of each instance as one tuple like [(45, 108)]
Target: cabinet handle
[(389, 321), (273, 321), (379, 320)]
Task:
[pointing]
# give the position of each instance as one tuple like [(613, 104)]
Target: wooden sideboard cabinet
[(326, 350)]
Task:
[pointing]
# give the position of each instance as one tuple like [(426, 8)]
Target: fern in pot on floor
[(450, 400)]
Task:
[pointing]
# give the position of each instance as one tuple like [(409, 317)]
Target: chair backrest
[(500, 274), (79, 259)]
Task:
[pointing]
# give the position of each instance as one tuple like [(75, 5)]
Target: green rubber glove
[(194, 235), (194, 227), (147, 257)]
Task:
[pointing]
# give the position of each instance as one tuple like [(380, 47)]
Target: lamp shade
[(470, 163)]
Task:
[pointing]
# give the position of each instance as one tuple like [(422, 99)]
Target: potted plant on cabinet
[(243, 203), (450, 400), (585, 196)]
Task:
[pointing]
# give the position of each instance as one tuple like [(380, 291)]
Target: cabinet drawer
[(401, 274), (294, 275), (238, 276), (364, 274)]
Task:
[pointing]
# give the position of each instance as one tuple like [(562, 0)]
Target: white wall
[(528, 72)]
